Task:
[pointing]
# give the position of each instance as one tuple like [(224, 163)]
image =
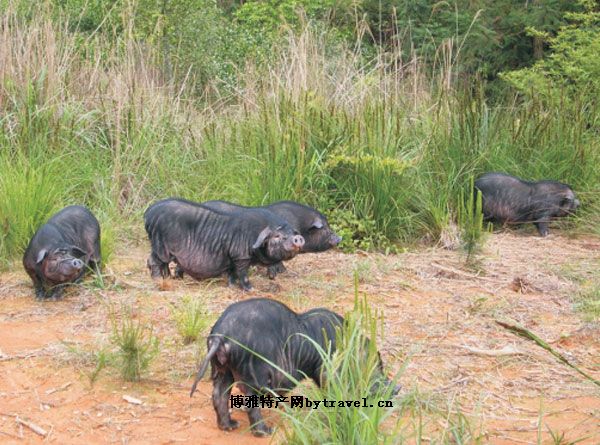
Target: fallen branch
[(32, 426), (132, 400), (507, 350), (527, 334), (462, 273), (62, 388), (34, 353)]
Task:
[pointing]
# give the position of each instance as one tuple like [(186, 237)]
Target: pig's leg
[(222, 383), (257, 423), (542, 228), (158, 269), (241, 270), (232, 277), (40, 292), (55, 292), (274, 269), (95, 266), (178, 272)]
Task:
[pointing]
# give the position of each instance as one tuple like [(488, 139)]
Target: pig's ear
[(41, 255), (77, 252), (262, 237), (317, 224)]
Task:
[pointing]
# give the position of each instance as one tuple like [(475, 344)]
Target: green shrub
[(572, 70), (358, 233)]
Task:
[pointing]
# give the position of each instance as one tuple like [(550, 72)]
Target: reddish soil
[(440, 322)]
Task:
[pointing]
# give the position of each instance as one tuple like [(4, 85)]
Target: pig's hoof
[(230, 426), (262, 430)]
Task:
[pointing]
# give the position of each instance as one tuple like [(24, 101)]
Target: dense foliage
[(215, 38), (115, 104)]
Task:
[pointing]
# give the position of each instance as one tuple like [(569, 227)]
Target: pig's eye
[(565, 201)]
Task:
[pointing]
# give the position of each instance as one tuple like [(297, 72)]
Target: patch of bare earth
[(439, 315)]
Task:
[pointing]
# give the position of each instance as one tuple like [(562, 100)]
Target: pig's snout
[(298, 241), (77, 263), (334, 240)]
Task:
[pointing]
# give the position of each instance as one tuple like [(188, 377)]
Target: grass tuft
[(136, 345), (470, 219), (192, 319)]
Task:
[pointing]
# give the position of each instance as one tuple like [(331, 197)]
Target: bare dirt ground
[(439, 323)]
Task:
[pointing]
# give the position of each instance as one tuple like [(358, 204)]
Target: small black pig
[(274, 332), (510, 200), (61, 250), (309, 222), (207, 243)]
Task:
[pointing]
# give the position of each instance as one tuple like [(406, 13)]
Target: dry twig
[(32, 426), (506, 350)]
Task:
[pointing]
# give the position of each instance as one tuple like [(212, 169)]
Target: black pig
[(61, 250), (207, 243), (309, 222), (507, 199), (252, 331)]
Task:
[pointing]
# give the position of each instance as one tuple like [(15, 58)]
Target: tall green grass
[(351, 373), (29, 195), (93, 121)]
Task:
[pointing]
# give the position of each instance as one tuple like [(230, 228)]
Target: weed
[(192, 319), (352, 372), (97, 359), (387, 151), (470, 219), (136, 345), (559, 438), (101, 359), (587, 300), (30, 195)]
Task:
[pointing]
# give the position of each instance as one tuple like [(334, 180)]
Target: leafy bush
[(358, 233), (572, 70), (370, 183)]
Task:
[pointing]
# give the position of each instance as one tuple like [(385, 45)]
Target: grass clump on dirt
[(587, 300), (352, 372), (192, 319), (470, 219), (136, 345)]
